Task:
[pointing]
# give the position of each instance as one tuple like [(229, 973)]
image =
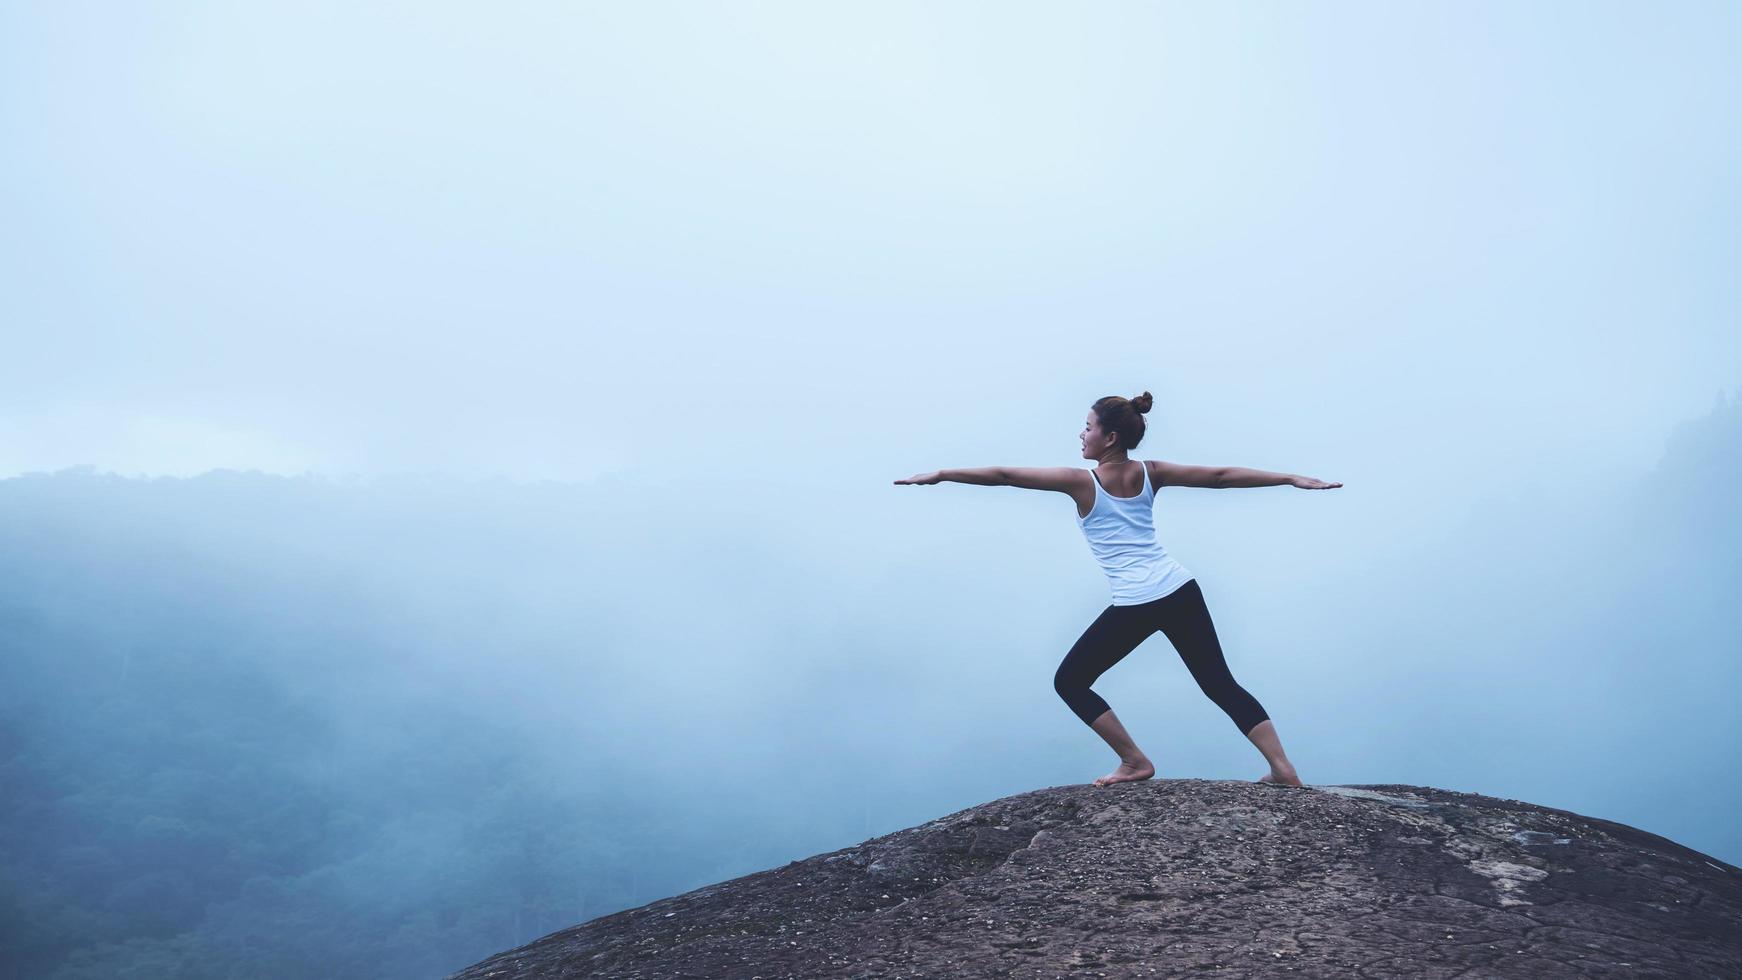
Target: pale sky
[(856, 242)]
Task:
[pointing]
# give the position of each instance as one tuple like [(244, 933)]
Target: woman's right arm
[(1168, 474), (1239, 476)]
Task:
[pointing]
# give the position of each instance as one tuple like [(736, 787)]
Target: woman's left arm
[(985, 476), (1061, 478)]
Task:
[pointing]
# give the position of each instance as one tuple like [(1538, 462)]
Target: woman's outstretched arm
[(986, 476), (1240, 476), (1061, 478), (1166, 474)]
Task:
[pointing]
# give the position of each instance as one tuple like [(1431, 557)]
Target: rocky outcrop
[(1191, 877)]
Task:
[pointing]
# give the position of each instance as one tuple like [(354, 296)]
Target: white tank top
[(1121, 535)]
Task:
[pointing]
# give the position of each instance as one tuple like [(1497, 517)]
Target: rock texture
[(1192, 877)]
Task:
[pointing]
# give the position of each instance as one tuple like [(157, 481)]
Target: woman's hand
[(1308, 483), (934, 476)]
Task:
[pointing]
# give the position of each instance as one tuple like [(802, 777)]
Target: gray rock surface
[(1193, 877)]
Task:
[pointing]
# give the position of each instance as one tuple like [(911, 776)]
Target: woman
[(1151, 591)]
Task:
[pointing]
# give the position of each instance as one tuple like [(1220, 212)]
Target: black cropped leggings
[(1183, 617)]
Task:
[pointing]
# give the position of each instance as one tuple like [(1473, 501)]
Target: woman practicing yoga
[(1151, 591)]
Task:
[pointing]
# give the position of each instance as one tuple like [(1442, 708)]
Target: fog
[(446, 456)]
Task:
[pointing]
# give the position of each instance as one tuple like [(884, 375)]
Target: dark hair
[(1125, 417)]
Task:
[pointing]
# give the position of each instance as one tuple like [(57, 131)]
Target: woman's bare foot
[(1127, 772), (1264, 736), (1282, 777)]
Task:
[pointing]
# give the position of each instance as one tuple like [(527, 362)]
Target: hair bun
[(1143, 402)]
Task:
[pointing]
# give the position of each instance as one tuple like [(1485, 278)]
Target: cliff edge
[(1193, 877)]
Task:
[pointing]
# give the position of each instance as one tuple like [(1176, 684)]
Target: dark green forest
[(221, 754)]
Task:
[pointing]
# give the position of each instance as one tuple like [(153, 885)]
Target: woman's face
[(1095, 441)]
